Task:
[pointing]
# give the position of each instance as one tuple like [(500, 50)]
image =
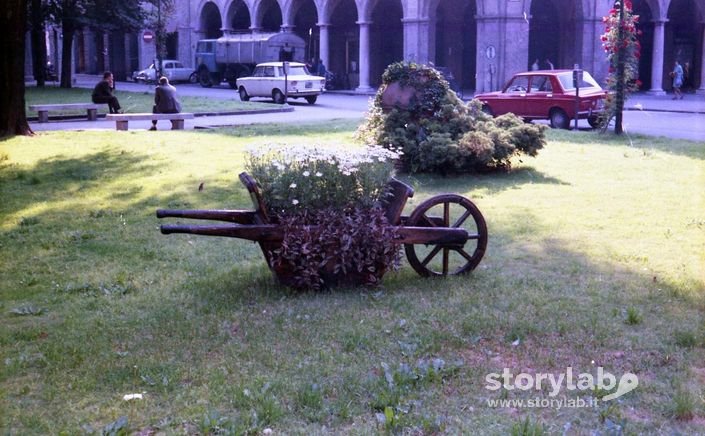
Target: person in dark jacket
[(166, 101), (103, 93)]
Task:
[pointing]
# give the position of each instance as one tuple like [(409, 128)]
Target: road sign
[(148, 36)]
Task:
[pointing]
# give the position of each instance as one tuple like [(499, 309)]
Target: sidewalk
[(691, 103)]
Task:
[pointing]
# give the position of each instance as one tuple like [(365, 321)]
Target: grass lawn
[(131, 101), (595, 259)]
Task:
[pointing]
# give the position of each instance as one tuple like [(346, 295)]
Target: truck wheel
[(204, 78), (311, 99), (232, 83), (243, 94), (278, 97), (559, 119)]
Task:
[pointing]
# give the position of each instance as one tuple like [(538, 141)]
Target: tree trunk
[(621, 58), (39, 46), (13, 21), (68, 29)]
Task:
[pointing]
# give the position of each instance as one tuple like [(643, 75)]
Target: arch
[(344, 42), (555, 33), (238, 16), (646, 40), (268, 16), (684, 42), (455, 39), (386, 37), (210, 21), (304, 16)]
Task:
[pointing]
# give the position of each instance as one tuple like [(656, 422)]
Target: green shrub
[(438, 132)]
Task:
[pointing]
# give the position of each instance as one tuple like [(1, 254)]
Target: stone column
[(323, 43), (417, 40), (657, 58), (186, 48), (364, 57), (701, 90)]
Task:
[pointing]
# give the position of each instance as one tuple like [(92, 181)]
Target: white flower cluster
[(346, 159)]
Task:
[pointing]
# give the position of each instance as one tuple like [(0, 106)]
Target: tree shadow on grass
[(492, 183), (60, 178)]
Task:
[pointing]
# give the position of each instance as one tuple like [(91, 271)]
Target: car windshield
[(566, 80)]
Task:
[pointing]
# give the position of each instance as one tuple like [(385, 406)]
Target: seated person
[(166, 101), (103, 93)]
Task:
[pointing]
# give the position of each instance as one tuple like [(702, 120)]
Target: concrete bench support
[(122, 120), (44, 109)]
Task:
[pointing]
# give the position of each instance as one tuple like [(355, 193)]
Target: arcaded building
[(482, 42)]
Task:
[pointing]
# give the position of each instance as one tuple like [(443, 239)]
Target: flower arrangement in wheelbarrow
[(327, 216)]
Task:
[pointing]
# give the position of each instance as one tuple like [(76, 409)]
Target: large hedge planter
[(416, 112)]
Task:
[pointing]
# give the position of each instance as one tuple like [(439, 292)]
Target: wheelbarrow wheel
[(447, 210)]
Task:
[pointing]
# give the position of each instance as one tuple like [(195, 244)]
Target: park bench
[(43, 110), (121, 120)]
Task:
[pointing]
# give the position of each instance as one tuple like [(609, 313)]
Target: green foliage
[(633, 316), (527, 427), (438, 132)]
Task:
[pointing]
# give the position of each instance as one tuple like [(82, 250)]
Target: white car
[(173, 70), (267, 80)]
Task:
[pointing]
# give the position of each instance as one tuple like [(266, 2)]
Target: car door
[(180, 73), (513, 98), (539, 99), (168, 70)]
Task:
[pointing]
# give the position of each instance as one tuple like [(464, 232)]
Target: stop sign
[(147, 36)]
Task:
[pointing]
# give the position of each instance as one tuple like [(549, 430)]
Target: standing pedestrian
[(677, 75)]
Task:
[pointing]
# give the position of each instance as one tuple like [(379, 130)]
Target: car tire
[(204, 78), (486, 109), (559, 119), (193, 78), (243, 94), (311, 99), (594, 121), (278, 97)]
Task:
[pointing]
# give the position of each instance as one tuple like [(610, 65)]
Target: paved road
[(650, 115)]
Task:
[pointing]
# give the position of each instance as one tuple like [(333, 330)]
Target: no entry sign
[(147, 36)]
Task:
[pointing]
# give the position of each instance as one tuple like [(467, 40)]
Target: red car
[(547, 94)]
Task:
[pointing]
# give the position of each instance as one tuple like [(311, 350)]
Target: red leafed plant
[(621, 43)]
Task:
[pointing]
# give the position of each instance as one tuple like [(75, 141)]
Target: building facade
[(482, 42)]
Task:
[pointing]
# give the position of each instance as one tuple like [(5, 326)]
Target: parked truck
[(235, 55)]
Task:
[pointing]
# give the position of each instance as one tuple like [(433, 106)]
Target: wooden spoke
[(462, 218), (431, 255), (449, 211)]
